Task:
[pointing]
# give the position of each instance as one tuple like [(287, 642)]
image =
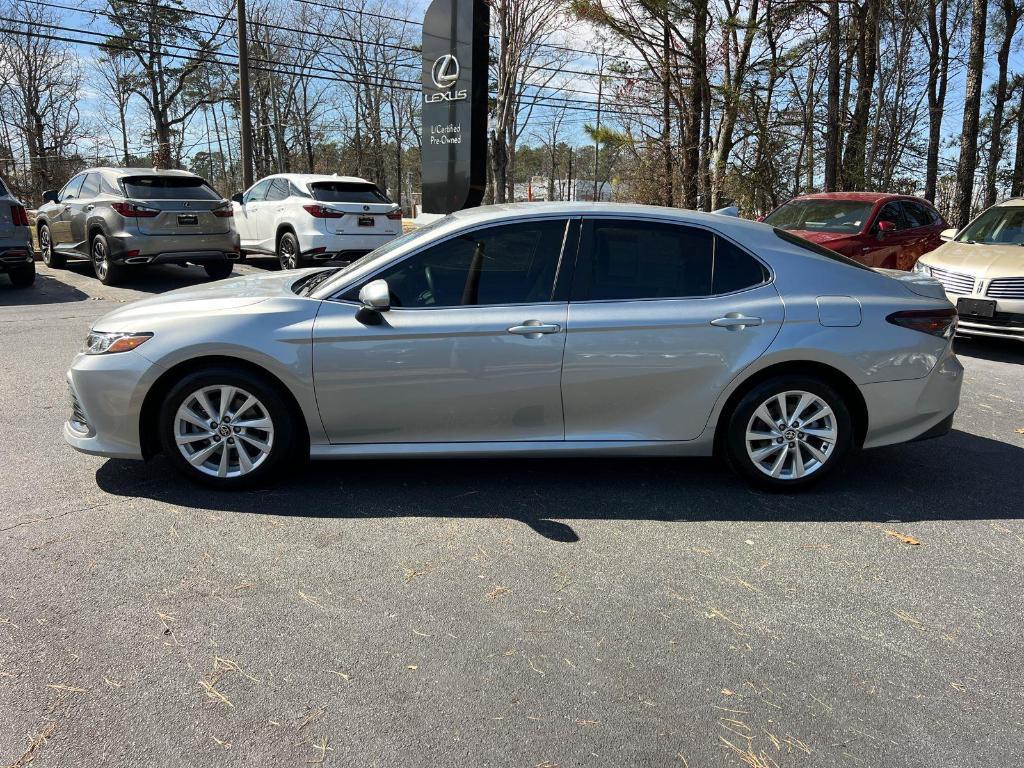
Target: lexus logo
[(445, 72)]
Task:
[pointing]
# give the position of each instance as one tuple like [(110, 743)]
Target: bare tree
[(1007, 19), (972, 109)]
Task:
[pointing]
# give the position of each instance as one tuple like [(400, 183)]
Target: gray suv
[(123, 217), (16, 257)]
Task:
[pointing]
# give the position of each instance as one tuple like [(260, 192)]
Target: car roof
[(509, 211), (122, 172), (304, 179), (1011, 202), (863, 197)]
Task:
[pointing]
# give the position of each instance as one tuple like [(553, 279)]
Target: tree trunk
[(938, 78), (854, 170), (832, 100), (1011, 16), (972, 109), (1017, 179)]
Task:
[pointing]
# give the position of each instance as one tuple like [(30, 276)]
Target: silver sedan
[(528, 330)]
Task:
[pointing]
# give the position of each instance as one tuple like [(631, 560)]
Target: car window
[(999, 225), (168, 188), (3, 188), (916, 215), (734, 269), (72, 188), (346, 192), (91, 186), (278, 190), (642, 260), (296, 192), (509, 264), (892, 212), (821, 215), (107, 186), (257, 193)]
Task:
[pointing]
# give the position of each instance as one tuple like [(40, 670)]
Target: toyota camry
[(526, 330)]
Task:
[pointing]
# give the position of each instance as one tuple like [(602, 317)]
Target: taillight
[(395, 215), (134, 211), (19, 216), (937, 322), (225, 211), (322, 212)]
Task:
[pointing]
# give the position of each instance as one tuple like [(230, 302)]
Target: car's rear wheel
[(107, 271), (51, 258), (218, 270), (288, 253), (227, 429), (23, 277), (789, 432)]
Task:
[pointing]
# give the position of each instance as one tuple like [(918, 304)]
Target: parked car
[(538, 329), (307, 219), (982, 269), (16, 255), (878, 230), (119, 218)]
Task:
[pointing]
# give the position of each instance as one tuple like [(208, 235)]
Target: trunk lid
[(6, 219), (365, 208), (922, 285)]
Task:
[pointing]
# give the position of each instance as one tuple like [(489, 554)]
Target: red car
[(876, 229)]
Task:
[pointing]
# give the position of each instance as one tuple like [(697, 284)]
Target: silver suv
[(16, 257), (123, 217)]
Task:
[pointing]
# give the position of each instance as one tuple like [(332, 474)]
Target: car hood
[(822, 238), (222, 296), (984, 261)]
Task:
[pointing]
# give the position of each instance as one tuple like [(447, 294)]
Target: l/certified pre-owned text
[(446, 134)]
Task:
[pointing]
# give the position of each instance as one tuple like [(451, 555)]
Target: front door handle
[(89, 207), (533, 329), (734, 321)]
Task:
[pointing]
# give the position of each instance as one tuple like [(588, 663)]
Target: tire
[(788, 458), (218, 270), (107, 271), (23, 277), (289, 256), (51, 258), (201, 458)]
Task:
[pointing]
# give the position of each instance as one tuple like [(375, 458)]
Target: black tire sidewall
[(299, 261), (734, 447), (113, 270), (23, 277), (55, 260), (219, 270), (267, 393)]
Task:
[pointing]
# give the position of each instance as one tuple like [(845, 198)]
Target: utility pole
[(243, 96), (597, 132)]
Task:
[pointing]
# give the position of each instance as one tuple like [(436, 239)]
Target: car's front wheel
[(789, 432), (227, 429), (51, 258)]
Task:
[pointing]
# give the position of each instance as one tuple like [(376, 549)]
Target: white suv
[(305, 219)]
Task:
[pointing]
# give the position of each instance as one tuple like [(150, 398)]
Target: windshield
[(425, 233), (346, 192), (997, 226), (818, 250), (168, 188), (821, 215)]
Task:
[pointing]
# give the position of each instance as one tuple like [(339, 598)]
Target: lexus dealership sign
[(455, 53)]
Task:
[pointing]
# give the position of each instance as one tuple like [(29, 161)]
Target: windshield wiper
[(313, 281)]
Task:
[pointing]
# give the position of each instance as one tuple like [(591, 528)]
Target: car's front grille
[(1006, 288), (78, 420), (954, 282)]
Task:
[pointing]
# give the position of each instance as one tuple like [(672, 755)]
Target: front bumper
[(107, 392), (902, 411), (1007, 323)]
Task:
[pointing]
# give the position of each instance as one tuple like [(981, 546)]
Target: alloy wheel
[(99, 258), (223, 431), (791, 435), (44, 245), (287, 253)]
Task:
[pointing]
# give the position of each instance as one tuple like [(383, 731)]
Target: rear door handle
[(734, 321), (534, 328), (89, 207)]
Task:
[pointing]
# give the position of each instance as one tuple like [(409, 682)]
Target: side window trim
[(568, 219), (765, 266)]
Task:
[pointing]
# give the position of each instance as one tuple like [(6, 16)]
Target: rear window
[(346, 192), (820, 250), (168, 188)]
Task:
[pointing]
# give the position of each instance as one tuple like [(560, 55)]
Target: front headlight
[(920, 268), (99, 343)]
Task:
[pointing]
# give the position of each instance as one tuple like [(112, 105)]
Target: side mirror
[(884, 227), (947, 235), (761, 217), (50, 196), (237, 198), (376, 295)]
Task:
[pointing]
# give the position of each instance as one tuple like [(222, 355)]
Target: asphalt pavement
[(604, 612)]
